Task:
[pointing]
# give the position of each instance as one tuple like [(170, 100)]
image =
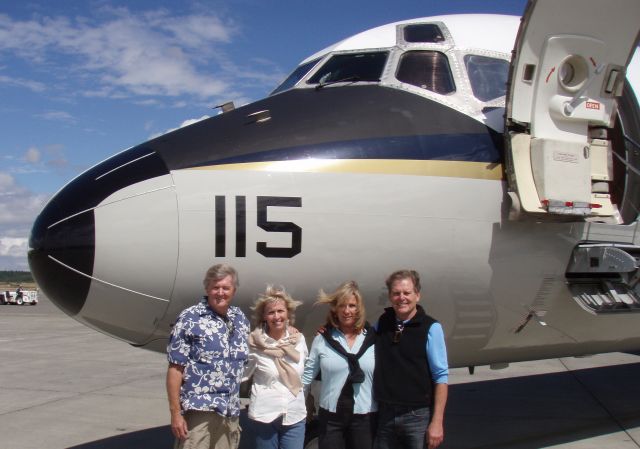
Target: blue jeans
[(402, 427), (275, 435)]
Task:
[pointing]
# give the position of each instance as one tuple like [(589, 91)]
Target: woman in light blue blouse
[(344, 357)]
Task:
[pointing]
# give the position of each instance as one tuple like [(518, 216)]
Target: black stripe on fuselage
[(478, 148), (354, 122)]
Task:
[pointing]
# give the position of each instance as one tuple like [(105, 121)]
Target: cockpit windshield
[(488, 76), (366, 66), (296, 76), (428, 70)]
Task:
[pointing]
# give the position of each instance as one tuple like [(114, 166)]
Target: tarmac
[(64, 385)]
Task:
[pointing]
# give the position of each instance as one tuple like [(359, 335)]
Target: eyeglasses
[(398, 332)]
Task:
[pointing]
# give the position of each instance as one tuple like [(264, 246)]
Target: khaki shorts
[(208, 430)]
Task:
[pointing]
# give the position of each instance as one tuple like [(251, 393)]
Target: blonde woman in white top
[(276, 360)]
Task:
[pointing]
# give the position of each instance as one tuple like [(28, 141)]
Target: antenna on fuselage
[(226, 107)]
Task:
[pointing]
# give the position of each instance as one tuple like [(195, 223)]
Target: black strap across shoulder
[(356, 375)]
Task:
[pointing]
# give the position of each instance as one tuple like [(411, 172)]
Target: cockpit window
[(296, 76), (426, 69), (423, 32), (351, 67), (488, 76)]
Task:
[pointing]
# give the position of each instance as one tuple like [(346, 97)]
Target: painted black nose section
[(62, 253), (62, 242)]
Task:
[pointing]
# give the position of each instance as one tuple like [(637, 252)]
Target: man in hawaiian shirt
[(207, 353)]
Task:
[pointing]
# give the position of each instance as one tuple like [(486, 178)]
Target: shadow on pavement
[(156, 438), (543, 410), (526, 412)]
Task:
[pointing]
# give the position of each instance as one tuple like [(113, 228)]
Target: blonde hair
[(341, 295), (270, 295)]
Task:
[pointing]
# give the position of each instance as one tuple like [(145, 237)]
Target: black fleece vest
[(402, 375)]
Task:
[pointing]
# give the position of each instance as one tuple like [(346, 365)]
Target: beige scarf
[(285, 346)]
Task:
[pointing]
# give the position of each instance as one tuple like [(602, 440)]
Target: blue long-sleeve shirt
[(437, 354), (334, 367)]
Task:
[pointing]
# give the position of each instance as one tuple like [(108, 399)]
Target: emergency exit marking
[(592, 105)]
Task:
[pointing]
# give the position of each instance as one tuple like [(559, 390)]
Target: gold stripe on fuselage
[(453, 169)]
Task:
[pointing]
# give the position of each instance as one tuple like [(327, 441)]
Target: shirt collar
[(204, 308)]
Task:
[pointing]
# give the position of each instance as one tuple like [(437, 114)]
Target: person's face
[(276, 316), (220, 294), (347, 312), (404, 298)]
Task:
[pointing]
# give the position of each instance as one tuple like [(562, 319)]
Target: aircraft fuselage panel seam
[(104, 282)]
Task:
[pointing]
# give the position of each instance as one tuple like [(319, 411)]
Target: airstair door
[(568, 67)]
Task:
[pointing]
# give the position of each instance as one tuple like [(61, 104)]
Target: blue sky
[(82, 80)]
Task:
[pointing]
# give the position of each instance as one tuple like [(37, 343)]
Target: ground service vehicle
[(20, 298)]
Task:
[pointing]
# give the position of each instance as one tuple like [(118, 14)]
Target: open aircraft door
[(568, 68)]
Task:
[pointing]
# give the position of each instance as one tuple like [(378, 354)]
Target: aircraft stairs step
[(611, 299), (605, 277)]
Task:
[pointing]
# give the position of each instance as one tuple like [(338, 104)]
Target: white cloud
[(14, 247), (58, 116), (32, 155), (18, 209), (192, 30), (191, 121), (34, 86), (152, 53), (14, 263), (6, 181), (49, 159), (56, 157), (188, 122), (18, 205)]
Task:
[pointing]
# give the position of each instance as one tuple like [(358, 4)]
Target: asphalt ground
[(63, 385)]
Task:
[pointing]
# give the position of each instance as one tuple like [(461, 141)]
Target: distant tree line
[(15, 276)]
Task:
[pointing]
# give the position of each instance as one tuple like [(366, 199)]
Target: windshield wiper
[(349, 79)]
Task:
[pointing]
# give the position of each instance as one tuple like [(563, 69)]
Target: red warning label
[(592, 105)]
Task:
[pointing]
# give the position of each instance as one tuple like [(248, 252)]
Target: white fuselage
[(325, 182)]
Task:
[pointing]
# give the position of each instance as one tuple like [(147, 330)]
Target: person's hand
[(311, 407), (435, 435), (321, 330), (179, 426)]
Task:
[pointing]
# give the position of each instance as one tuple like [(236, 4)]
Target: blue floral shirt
[(214, 352)]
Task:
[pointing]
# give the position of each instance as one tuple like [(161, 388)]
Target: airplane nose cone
[(61, 255), (65, 246)]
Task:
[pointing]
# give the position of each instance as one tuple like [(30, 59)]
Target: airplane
[(498, 156)]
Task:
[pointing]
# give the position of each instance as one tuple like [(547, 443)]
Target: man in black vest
[(411, 372)]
